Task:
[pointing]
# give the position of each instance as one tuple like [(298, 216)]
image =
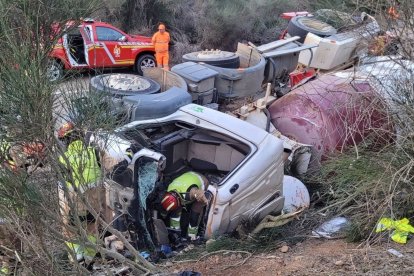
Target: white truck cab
[(243, 163)]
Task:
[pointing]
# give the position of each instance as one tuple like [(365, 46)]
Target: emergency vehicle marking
[(134, 46), (117, 51), (126, 61), (58, 46), (108, 53), (93, 47), (134, 43)]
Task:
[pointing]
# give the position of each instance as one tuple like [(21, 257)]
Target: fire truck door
[(90, 52)]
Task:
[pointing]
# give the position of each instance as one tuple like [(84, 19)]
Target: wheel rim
[(317, 25), (147, 63), (215, 54), (53, 72), (125, 83)]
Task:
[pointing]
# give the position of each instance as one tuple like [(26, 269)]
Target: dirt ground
[(312, 257)]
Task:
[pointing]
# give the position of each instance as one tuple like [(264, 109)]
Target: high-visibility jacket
[(4, 151), (4, 148), (82, 162), (160, 41), (185, 182)]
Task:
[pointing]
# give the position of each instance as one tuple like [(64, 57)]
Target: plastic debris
[(113, 243), (189, 273), (395, 252), (331, 229), (145, 254), (166, 249), (400, 228), (296, 194), (83, 252), (4, 270)]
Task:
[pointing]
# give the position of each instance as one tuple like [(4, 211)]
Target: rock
[(117, 245), (113, 243), (339, 263), (121, 270), (284, 249), (261, 269), (239, 256), (168, 264), (210, 241), (233, 257), (298, 258)]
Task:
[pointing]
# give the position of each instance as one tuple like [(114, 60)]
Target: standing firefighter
[(161, 40), (83, 175), (185, 197)]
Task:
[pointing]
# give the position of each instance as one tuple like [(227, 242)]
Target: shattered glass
[(146, 181), (147, 177)]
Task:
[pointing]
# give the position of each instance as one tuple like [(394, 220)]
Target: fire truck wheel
[(54, 70), (214, 57), (120, 85), (144, 61), (302, 25)]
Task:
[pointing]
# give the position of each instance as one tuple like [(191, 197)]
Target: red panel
[(290, 15)]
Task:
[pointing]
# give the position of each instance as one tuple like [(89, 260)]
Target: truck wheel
[(302, 25), (144, 61), (123, 85), (215, 57), (54, 70)]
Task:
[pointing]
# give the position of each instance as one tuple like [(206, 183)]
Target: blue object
[(166, 249), (152, 106), (144, 254)]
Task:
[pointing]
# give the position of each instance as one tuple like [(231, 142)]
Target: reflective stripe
[(182, 183), (170, 206), (108, 53)]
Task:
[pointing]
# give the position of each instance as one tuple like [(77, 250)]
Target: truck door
[(86, 32), (145, 166), (110, 52)]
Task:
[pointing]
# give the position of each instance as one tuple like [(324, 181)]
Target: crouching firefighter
[(185, 198), (81, 167)]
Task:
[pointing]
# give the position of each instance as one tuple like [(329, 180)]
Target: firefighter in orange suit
[(392, 12), (161, 40)]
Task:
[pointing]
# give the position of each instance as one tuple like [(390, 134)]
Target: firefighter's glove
[(198, 195)]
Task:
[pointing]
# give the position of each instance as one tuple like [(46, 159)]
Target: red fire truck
[(95, 45)]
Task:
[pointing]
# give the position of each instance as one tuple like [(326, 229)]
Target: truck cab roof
[(230, 123)]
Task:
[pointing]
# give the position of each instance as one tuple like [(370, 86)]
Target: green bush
[(364, 189), (212, 23)]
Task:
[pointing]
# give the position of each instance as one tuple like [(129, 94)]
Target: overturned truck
[(243, 164)]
